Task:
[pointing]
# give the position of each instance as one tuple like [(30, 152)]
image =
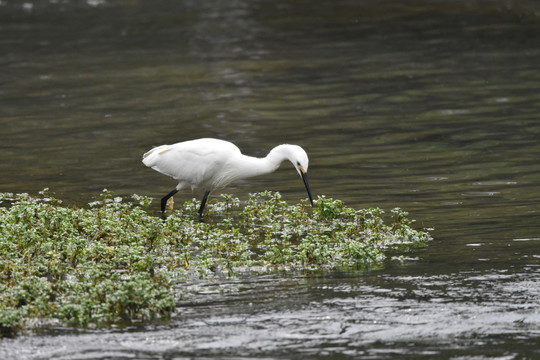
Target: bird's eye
[(298, 163)]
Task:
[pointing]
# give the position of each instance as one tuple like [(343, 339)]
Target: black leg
[(203, 203), (165, 198)]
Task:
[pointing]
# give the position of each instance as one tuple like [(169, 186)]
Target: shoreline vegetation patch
[(115, 262)]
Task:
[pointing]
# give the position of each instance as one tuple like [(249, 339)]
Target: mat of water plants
[(117, 261)]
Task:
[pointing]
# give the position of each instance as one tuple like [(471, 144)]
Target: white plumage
[(212, 164)]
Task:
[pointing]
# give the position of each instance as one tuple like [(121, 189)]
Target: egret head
[(298, 157)]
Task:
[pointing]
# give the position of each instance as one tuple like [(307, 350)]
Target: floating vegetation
[(115, 262)]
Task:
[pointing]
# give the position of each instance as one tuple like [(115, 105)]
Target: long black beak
[(306, 182)]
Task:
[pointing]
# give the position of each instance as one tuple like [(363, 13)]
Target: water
[(431, 106)]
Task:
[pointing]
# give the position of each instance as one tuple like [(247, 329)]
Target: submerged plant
[(115, 262)]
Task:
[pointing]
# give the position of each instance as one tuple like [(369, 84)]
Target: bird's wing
[(192, 162)]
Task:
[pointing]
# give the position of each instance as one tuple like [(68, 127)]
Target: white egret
[(212, 164)]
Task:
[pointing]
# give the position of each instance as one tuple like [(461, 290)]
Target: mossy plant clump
[(115, 262)]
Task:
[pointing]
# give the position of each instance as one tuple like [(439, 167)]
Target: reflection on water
[(431, 106), (377, 315)]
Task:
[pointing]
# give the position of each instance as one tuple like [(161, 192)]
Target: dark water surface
[(432, 106)]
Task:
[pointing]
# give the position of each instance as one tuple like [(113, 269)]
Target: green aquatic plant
[(116, 262)]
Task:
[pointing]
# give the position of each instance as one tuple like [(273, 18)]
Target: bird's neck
[(253, 166)]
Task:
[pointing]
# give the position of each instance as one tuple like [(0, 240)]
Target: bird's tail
[(150, 157)]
